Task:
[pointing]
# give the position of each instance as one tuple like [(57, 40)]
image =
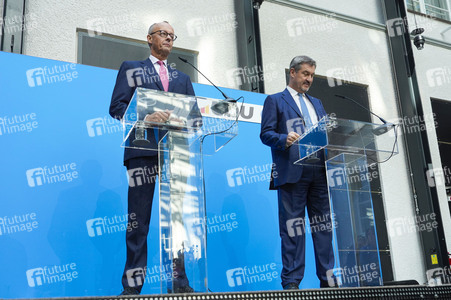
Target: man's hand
[(158, 117), (292, 136)]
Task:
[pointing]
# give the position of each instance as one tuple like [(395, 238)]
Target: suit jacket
[(133, 74), (279, 114)]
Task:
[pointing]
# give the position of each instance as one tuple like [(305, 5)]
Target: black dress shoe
[(326, 284), (291, 286), (183, 289), (129, 291)]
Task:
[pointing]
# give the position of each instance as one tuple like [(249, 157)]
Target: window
[(109, 51), (437, 8)]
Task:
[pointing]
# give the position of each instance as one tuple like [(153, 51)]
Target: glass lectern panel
[(375, 141), (191, 115), (195, 127), (349, 148)]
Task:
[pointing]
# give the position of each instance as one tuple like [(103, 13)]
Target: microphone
[(379, 130), (220, 107)]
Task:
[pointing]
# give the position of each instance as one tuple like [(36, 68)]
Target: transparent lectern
[(350, 149), (192, 130)]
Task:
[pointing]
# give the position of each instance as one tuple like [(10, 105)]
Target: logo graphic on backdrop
[(438, 76), (239, 76), (18, 223), (212, 24), (50, 175), (16, 23), (18, 123), (52, 74), (308, 25), (300, 226), (108, 225), (51, 274), (103, 125), (339, 176), (368, 273), (439, 276), (139, 276), (408, 225), (116, 23), (251, 275), (348, 74), (218, 223), (249, 175)]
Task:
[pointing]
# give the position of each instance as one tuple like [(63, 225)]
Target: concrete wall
[(199, 25)]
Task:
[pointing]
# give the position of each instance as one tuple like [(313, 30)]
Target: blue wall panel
[(62, 167)]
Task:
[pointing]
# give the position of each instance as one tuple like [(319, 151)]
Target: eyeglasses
[(165, 34)]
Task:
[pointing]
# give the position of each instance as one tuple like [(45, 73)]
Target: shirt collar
[(154, 60), (293, 93)]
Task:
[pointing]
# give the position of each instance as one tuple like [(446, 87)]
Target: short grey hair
[(297, 62), (153, 25)]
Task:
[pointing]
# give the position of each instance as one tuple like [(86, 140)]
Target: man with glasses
[(152, 73), (285, 117)]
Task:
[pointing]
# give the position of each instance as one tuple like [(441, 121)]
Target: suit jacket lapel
[(315, 104), (289, 99), (152, 74), (172, 80)]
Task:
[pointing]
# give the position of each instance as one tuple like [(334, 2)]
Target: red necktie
[(163, 76)]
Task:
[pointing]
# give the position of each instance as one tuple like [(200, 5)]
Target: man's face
[(160, 46), (302, 79)]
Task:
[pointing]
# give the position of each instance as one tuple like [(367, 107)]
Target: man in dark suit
[(152, 73), (285, 117)]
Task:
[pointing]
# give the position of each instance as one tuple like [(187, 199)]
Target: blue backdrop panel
[(64, 191)]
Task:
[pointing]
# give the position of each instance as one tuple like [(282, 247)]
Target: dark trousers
[(142, 178), (310, 191)]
